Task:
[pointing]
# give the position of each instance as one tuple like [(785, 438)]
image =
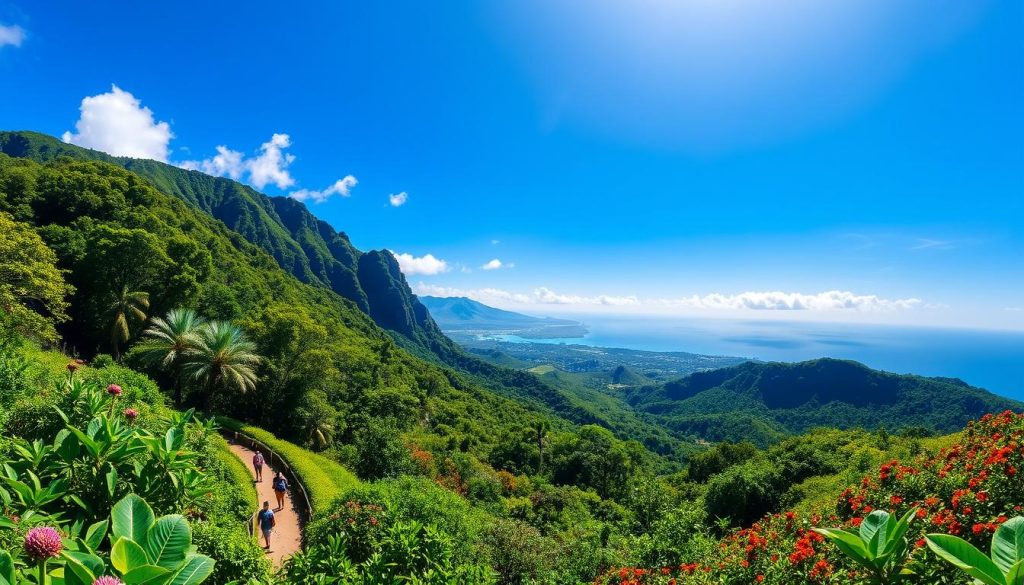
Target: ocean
[(989, 359)]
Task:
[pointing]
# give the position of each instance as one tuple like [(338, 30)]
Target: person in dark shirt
[(267, 522)]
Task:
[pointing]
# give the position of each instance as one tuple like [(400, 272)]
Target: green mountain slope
[(317, 254), (758, 400)]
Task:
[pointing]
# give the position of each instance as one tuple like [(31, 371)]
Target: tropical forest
[(625, 293)]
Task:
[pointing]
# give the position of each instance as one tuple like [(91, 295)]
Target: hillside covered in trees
[(134, 292)]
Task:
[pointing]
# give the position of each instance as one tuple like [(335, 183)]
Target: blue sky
[(853, 160)]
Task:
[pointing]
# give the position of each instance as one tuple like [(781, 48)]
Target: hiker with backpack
[(280, 489), (257, 464)]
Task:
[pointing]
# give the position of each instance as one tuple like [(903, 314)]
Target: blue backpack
[(279, 484)]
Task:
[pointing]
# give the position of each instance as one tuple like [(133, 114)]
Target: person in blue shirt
[(267, 522)]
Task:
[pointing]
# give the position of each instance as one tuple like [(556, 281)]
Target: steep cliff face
[(302, 244)]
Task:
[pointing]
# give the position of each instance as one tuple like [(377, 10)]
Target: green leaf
[(146, 575), (196, 569), (6, 566), (874, 523), (1015, 576), (85, 567), (1008, 544), (964, 556), (896, 537), (126, 555), (111, 480), (168, 541), (848, 542), (131, 518), (94, 535)]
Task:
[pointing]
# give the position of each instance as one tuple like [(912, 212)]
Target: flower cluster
[(967, 489), (42, 543)]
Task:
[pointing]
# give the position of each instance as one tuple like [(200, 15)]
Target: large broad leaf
[(131, 518), (872, 529), (196, 569), (848, 542), (1015, 576), (897, 535), (963, 555), (1008, 544), (111, 480), (6, 567), (147, 575), (126, 555), (168, 541), (82, 567), (94, 535)]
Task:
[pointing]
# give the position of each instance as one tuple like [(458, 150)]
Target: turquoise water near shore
[(989, 359)]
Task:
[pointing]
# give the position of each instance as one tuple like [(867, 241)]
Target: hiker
[(257, 463), (280, 488), (267, 523)]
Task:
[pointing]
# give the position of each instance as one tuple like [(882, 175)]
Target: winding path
[(287, 537)]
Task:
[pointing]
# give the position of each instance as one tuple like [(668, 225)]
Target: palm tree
[(540, 430), (222, 358), (168, 340), (129, 307)]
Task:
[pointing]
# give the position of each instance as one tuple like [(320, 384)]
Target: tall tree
[(540, 430), (168, 341), (222, 359), (127, 309), (32, 288)]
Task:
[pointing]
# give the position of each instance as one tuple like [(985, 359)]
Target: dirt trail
[(287, 537)]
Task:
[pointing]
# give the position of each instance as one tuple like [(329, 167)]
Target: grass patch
[(323, 478), (542, 369), (238, 473)]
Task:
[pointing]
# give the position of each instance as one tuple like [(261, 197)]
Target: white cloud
[(227, 163), (549, 297), (398, 199), (833, 300), (493, 265), (495, 242), (12, 35), (342, 187), (747, 301), (933, 244), (118, 124), (271, 165), (426, 265)]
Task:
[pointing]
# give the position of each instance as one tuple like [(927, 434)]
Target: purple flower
[(114, 390), (42, 543), (72, 366), (131, 414), (106, 580)]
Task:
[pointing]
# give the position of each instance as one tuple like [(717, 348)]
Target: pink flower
[(114, 390), (131, 414), (106, 580), (42, 543)]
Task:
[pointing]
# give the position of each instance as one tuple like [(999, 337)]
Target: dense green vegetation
[(764, 401), (424, 463), (81, 445)]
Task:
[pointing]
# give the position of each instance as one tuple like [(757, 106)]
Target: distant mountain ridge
[(461, 313), (792, 398)]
